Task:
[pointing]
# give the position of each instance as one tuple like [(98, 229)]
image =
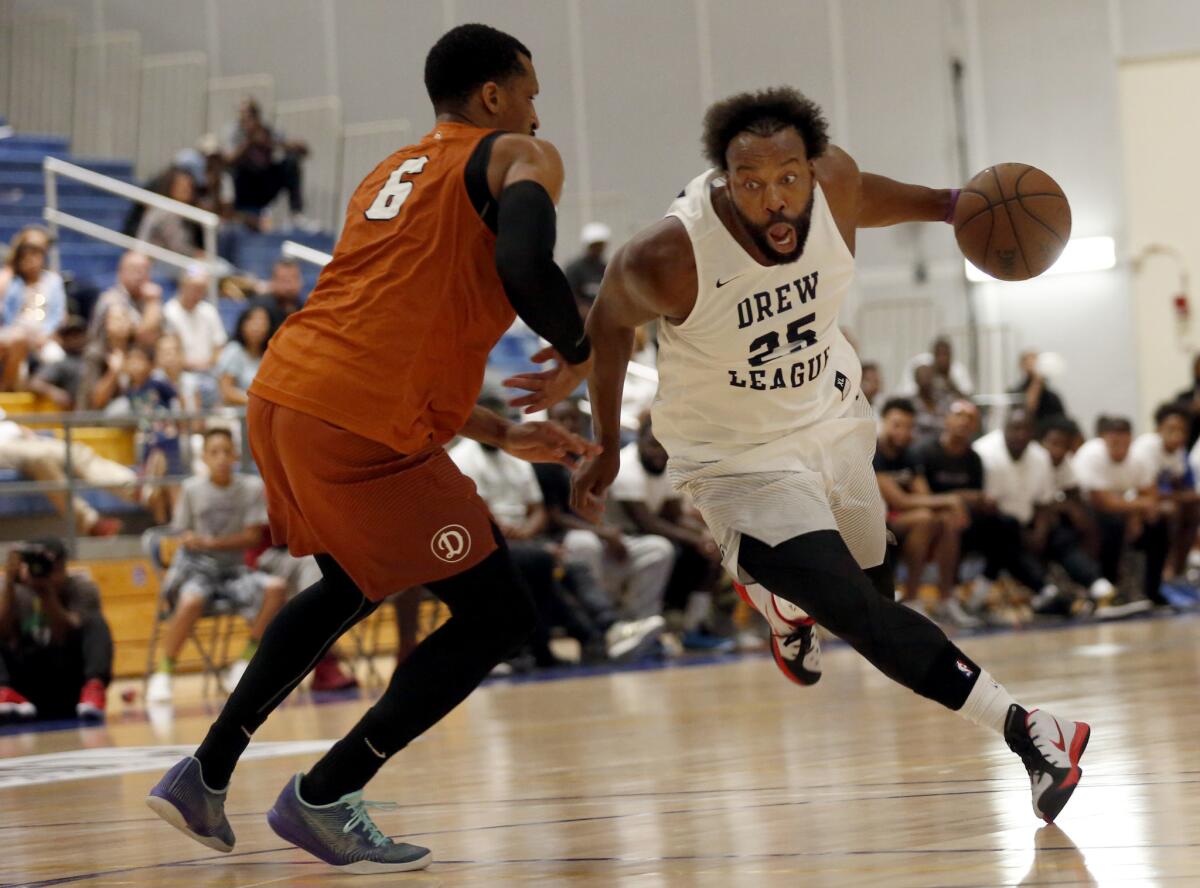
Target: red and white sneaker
[(13, 705), (794, 642), (1051, 750), (92, 700)]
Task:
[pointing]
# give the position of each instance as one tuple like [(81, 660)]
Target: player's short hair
[(764, 113), (1172, 408), (1108, 424), (904, 405), (467, 57)]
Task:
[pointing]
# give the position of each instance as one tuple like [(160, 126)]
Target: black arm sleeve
[(535, 285)]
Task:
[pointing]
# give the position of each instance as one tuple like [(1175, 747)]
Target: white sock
[(987, 704)]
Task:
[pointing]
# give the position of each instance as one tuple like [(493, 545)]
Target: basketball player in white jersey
[(760, 410)]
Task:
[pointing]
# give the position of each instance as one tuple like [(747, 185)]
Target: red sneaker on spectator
[(329, 676), (13, 705), (106, 527), (92, 700)]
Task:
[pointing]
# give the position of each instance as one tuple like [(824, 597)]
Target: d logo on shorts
[(451, 543)]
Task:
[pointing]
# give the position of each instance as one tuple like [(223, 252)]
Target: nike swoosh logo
[(721, 283), (1062, 743)]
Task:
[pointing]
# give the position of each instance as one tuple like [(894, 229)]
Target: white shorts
[(818, 478)]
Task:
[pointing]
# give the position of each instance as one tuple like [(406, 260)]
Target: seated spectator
[(239, 360), (196, 321), (214, 184), (218, 519), (104, 361), (45, 459), (1060, 438), (632, 570), (1042, 402), (951, 379), (927, 526), (264, 163), (509, 487), (56, 650), (141, 297), (282, 298), (35, 305), (167, 229), (951, 465), (1190, 398), (60, 381), (931, 407), (642, 501), (1164, 453), (585, 272), (196, 391), (872, 381), (1124, 497), (1020, 477)]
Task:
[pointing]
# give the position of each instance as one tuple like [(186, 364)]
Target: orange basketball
[(1012, 221)]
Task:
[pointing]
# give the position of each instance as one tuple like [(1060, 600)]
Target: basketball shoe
[(1051, 750), (342, 833), (794, 642), (183, 800), (14, 705)]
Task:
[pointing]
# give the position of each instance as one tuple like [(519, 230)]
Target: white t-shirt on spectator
[(200, 330), (635, 484), (1149, 450), (1064, 474), (1097, 472), (507, 484), (1018, 486)]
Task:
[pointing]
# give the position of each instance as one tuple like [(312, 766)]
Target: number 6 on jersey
[(395, 191)]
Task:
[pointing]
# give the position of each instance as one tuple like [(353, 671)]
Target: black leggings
[(491, 614), (817, 572)]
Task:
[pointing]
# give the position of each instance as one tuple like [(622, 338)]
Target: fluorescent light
[(1081, 254)]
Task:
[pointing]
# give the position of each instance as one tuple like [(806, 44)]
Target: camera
[(39, 559)]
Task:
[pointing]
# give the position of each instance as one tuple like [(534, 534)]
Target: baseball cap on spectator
[(595, 233)]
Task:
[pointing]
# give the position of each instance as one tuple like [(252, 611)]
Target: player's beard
[(758, 233)]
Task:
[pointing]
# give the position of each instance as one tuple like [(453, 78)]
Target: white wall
[(624, 83)]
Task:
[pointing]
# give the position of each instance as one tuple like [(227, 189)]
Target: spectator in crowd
[(36, 234), (586, 271), (141, 297), (195, 390), (1124, 497), (166, 228), (1164, 453), (196, 321), (1042, 402), (931, 407), (282, 298), (509, 487), (951, 465), (872, 381), (633, 570), (45, 459), (1060, 438), (218, 519), (1020, 478), (60, 381), (104, 360), (951, 378), (927, 526), (642, 501), (239, 360), (35, 304), (1190, 398), (56, 650), (214, 183), (264, 163)]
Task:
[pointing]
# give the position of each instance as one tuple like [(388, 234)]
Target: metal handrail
[(293, 250), (53, 167)]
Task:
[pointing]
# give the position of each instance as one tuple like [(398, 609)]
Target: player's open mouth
[(783, 236)]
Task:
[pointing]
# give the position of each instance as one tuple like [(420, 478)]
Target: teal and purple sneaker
[(183, 800), (342, 833)]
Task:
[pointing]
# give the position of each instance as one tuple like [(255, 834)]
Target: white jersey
[(761, 355)]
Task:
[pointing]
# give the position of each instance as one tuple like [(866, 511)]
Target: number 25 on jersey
[(395, 190)]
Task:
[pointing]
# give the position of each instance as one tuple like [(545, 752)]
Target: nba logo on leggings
[(451, 543)]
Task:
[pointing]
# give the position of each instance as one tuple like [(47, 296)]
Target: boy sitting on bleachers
[(218, 518)]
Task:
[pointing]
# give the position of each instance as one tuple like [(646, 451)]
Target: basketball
[(1012, 221)]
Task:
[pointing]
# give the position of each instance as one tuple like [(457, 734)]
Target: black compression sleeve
[(535, 285)]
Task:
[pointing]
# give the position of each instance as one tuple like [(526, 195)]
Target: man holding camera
[(56, 649)]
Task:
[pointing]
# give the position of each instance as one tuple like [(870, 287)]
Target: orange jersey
[(393, 342)]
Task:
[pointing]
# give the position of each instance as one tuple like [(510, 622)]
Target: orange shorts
[(390, 521)]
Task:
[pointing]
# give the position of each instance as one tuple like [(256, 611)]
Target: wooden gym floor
[(718, 775)]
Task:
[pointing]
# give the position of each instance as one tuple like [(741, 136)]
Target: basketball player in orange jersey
[(760, 410), (444, 244)]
